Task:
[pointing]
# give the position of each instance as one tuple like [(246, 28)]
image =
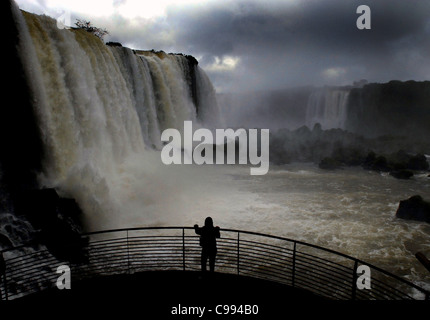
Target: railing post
[(183, 249), (6, 294), (128, 255), (3, 277), (293, 275), (354, 281), (238, 251)]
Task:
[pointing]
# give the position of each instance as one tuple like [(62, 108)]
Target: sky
[(253, 45)]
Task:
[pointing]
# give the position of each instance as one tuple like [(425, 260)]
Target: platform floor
[(158, 293), (161, 294)]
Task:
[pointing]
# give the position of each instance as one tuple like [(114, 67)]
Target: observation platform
[(156, 269)]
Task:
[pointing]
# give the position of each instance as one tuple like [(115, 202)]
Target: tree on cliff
[(87, 26)]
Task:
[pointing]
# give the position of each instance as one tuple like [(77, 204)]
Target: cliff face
[(393, 108)]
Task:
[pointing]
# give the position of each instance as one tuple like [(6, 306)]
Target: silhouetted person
[(208, 234)]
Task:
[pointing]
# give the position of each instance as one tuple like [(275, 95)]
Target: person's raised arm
[(217, 233), (197, 229)]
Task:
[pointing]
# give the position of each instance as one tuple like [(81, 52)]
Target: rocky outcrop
[(414, 208), (376, 163), (400, 164), (329, 164), (402, 174), (315, 145), (57, 221), (418, 162), (403, 160), (335, 148), (113, 44)]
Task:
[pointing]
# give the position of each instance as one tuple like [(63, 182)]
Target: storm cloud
[(260, 45)]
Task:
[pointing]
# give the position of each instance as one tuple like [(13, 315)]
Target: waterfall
[(206, 96), (328, 107), (98, 106)]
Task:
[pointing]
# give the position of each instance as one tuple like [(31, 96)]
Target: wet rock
[(5, 242), (402, 174), (400, 164), (418, 162), (414, 208), (376, 163), (402, 160), (58, 222), (348, 156), (113, 44), (368, 161), (329, 164)]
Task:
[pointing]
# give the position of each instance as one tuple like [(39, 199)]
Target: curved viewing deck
[(168, 255)]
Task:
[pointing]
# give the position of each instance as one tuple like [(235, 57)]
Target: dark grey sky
[(258, 45)]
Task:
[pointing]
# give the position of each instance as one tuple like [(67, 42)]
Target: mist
[(265, 109)]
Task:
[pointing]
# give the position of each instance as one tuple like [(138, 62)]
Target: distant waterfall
[(328, 107), (98, 106)]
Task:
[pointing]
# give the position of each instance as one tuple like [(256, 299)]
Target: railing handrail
[(356, 261), (273, 237)]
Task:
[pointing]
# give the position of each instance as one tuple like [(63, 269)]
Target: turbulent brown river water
[(350, 210)]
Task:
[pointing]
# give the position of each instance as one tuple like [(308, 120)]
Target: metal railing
[(126, 251)]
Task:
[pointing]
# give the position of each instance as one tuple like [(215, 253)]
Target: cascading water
[(327, 107), (101, 109), (207, 97)]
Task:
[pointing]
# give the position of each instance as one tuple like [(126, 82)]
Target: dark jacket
[(208, 235)]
